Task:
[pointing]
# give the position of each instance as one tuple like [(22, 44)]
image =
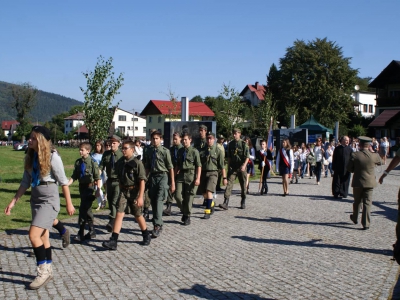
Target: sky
[(187, 47)]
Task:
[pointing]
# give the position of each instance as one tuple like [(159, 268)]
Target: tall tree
[(197, 98), (101, 89), (263, 114), (24, 98), (316, 79)]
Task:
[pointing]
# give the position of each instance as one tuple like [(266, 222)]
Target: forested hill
[(47, 106)]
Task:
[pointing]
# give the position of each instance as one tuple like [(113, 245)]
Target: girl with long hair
[(285, 164), (43, 170), (97, 156)]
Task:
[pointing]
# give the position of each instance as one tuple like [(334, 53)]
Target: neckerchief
[(83, 168), (184, 154), (35, 171), (153, 158), (112, 160), (285, 157)]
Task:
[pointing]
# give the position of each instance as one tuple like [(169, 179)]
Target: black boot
[(91, 234), (225, 204), (80, 236), (243, 203), (167, 211), (146, 237), (186, 220), (111, 244)]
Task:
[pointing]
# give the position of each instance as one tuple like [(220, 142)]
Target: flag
[(270, 140)]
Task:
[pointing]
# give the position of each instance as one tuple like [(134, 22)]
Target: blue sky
[(188, 47)]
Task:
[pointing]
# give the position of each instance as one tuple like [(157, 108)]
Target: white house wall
[(367, 99)]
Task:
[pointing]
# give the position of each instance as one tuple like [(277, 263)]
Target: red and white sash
[(284, 157)]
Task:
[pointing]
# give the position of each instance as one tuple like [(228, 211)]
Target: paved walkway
[(298, 247)]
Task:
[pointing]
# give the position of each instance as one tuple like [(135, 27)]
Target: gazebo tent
[(314, 127)]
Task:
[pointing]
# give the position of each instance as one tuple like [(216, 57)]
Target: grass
[(11, 170)]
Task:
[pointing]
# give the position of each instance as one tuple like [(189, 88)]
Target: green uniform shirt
[(211, 158), (188, 158), (130, 171), (201, 144), (106, 162), (237, 151), (222, 149), (158, 159), (146, 149), (174, 153), (91, 170)]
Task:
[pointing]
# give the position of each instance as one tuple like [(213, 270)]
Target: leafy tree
[(315, 79), (263, 114), (356, 131), (24, 98), (101, 89), (363, 84), (197, 98)]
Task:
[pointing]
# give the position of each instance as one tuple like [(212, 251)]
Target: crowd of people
[(137, 178)]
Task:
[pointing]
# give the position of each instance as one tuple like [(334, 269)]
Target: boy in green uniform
[(158, 167), (188, 170), (238, 155), (176, 145), (108, 162), (87, 172), (132, 178), (199, 145), (146, 206), (212, 161)]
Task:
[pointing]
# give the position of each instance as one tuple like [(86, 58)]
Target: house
[(364, 102), (128, 123), (73, 121), (253, 94), (159, 111), (387, 85), (9, 127)]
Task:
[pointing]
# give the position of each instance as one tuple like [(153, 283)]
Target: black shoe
[(167, 211), (66, 238), (262, 192), (79, 238), (156, 231), (187, 221), (354, 221), (225, 204), (365, 228), (146, 239), (243, 204), (206, 216), (336, 196), (111, 244), (90, 235)]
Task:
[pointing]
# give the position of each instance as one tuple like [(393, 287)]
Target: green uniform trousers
[(232, 175), (362, 196), (171, 196), (185, 191), (113, 191), (157, 192), (85, 208)]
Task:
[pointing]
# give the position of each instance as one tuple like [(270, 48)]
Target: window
[(129, 127), (144, 129), (136, 128), (365, 107), (370, 109), (150, 119), (159, 130), (121, 129), (394, 94), (135, 119), (159, 119), (121, 118)]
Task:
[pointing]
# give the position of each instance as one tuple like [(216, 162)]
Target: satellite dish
[(356, 87)]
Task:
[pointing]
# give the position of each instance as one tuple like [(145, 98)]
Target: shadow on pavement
[(312, 243), (16, 281), (388, 212), (201, 291)]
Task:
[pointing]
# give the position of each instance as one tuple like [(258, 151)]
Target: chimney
[(256, 85), (136, 113)]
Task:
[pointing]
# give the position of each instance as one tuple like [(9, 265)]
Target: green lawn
[(11, 170)]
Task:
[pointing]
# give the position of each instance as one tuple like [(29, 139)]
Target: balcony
[(388, 101)]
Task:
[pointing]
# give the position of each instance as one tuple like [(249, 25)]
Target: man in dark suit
[(362, 163), (340, 160)]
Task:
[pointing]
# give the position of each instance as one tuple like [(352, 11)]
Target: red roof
[(257, 88), (78, 116), (166, 107), (384, 117), (6, 125), (82, 129)]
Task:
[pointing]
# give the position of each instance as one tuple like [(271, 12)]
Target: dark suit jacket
[(340, 159)]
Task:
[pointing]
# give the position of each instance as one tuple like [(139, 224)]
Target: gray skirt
[(45, 205)]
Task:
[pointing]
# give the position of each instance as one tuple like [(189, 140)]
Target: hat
[(202, 126), (236, 130), (220, 136), (43, 130), (364, 139), (211, 133), (155, 132), (115, 138)]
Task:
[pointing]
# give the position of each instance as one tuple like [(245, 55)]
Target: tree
[(24, 98), (197, 98), (316, 79), (101, 89), (363, 84), (263, 114)]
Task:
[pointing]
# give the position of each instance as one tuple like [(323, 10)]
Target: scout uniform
[(158, 164), (212, 161), (108, 162), (146, 203), (362, 164), (237, 154), (188, 160), (222, 149), (174, 157), (201, 142), (86, 171)]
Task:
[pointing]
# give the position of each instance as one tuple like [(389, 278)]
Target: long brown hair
[(288, 146), (44, 153), (249, 142), (100, 142)]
